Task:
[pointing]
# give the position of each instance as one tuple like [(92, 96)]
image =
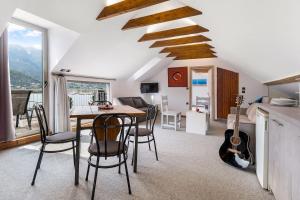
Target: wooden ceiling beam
[(161, 17), (194, 54), (187, 30), (180, 41), (173, 33), (291, 79), (125, 7), (184, 53), (186, 48), (195, 57)]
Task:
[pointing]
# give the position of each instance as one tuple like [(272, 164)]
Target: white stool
[(197, 122)]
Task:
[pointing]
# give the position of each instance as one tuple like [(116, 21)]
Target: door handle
[(45, 84), (278, 123)]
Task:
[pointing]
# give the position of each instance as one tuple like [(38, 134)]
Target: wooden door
[(227, 90)]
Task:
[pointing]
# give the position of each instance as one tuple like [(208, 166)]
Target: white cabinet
[(197, 122), (284, 158)]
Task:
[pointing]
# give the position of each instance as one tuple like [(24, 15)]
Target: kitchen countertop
[(289, 114)]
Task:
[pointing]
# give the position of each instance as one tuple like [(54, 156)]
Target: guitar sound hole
[(235, 141)]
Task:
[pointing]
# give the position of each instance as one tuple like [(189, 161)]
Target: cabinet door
[(285, 161), (280, 166), (295, 157), (274, 154)]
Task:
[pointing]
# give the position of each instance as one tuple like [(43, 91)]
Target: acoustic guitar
[(235, 150)]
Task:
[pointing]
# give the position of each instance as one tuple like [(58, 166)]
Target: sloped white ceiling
[(260, 38)]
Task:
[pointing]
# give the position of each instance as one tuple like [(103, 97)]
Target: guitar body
[(228, 152)]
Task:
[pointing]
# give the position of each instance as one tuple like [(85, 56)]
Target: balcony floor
[(23, 129)]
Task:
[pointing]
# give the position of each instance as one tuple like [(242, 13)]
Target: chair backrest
[(164, 103), (203, 102), (152, 112), (100, 103), (111, 127), (20, 99), (42, 120)]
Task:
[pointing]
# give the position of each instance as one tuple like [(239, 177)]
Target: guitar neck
[(237, 122)]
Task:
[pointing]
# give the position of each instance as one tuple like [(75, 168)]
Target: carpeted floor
[(189, 168)]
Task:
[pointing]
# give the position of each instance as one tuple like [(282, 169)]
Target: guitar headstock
[(239, 100)]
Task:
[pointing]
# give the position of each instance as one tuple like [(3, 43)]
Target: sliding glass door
[(27, 63)]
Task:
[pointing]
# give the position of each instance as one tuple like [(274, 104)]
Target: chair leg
[(167, 119), (74, 158), (155, 146), (161, 120), (38, 164), (149, 143), (91, 142), (132, 158), (28, 120), (88, 170), (41, 161), (17, 121), (128, 142), (95, 178), (127, 176), (119, 165), (175, 122)]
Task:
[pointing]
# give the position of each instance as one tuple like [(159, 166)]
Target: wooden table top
[(90, 112)]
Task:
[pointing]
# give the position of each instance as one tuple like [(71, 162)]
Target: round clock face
[(177, 76)]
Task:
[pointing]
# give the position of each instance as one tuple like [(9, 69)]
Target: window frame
[(45, 54), (89, 80)]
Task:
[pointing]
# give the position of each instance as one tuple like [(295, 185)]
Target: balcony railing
[(77, 97), (84, 97), (36, 96)]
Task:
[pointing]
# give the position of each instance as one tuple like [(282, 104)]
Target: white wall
[(125, 88), (179, 96), (253, 87), (128, 88), (6, 11)]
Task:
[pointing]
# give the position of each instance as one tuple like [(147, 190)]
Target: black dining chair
[(46, 138), (88, 124), (111, 133), (148, 131)]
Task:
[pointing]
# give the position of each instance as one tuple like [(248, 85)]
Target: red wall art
[(178, 77)]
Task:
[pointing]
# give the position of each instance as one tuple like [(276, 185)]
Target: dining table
[(91, 112)]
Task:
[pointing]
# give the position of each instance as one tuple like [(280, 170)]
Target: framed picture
[(178, 77)]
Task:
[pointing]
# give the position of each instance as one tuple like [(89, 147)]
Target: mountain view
[(25, 67), (25, 57)]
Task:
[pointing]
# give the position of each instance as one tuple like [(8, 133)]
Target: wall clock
[(178, 77)]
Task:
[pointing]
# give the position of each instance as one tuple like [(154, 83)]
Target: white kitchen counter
[(290, 114)]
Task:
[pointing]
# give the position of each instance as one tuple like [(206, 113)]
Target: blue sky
[(25, 37)]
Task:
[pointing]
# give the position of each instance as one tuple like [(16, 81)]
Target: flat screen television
[(149, 87)]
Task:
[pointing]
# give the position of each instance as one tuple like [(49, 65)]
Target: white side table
[(197, 122)]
